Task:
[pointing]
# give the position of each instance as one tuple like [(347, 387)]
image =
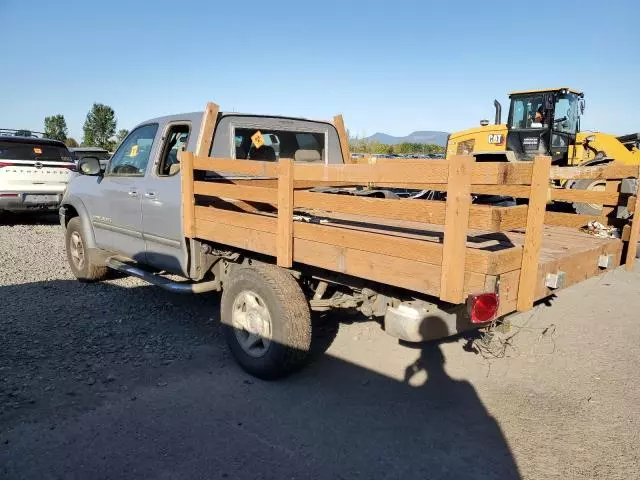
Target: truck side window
[(176, 140), (131, 158)]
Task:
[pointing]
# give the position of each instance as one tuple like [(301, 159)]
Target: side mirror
[(89, 166)]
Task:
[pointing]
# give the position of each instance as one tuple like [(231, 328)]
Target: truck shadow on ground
[(112, 381)]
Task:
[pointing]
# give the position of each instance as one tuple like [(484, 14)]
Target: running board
[(159, 281)]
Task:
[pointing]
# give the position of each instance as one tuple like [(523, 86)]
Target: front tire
[(266, 321), (78, 254)]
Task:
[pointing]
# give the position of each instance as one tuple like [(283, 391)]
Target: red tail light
[(6, 164), (483, 307)]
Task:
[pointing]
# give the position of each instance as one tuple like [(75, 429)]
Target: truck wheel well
[(69, 213)]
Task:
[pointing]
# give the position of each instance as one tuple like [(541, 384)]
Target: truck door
[(115, 207), (161, 203)]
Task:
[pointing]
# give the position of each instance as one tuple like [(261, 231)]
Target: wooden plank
[(403, 173), (221, 216), (245, 238), (482, 217), (188, 201), (634, 234), (430, 171), (562, 219), (231, 166), (631, 203), (410, 274), (239, 192), (611, 171), (612, 186), (585, 196), (534, 231), (479, 261), (285, 214), (508, 291), (207, 127), (338, 122), (429, 211), (456, 227), (402, 247)]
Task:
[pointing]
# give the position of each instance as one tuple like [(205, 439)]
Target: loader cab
[(544, 122)]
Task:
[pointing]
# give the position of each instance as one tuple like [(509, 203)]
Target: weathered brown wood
[(482, 217), (232, 166), (612, 187), (207, 127), (533, 238), (402, 173), (626, 233), (562, 219), (285, 214), (248, 239), (455, 229), (240, 192), (338, 122), (631, 203), (634, 234), (611, 171), (410, 274), (585, 196), (262, 223), (188, 201)]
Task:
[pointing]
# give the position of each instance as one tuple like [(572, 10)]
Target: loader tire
[(588, 184), (266, 321)]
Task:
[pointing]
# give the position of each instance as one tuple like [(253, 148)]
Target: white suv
[(34, 172)]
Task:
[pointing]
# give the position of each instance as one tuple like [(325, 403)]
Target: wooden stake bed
[(446, 249)]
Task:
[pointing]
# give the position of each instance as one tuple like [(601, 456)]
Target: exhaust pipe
[(496, 104)]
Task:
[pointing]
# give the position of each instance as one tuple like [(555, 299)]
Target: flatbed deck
[(444, 249)]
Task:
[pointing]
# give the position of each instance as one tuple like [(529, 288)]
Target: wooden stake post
[(284, 237), (338, 122), (634, 236), (455, 229), (534, 231)]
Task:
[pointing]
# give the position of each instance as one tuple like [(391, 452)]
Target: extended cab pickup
[(265, 209)]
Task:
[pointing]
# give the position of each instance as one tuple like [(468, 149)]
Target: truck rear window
[(33, 151), (272, 145)]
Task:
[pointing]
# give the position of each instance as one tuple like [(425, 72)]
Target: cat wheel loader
[(547, 122)]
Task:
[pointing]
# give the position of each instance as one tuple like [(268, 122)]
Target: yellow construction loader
[(547, 122)]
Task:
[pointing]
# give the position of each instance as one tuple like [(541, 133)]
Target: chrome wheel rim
[(251, 323), (76, 248)]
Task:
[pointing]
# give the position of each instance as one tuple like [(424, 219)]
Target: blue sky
[(389, 66)]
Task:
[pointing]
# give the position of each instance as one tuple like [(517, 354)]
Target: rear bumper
[(31, 201)]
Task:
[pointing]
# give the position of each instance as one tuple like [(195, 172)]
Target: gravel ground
[(122, 380)]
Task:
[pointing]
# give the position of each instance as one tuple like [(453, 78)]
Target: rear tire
[(266, 321), (78, 254), (588, 208)]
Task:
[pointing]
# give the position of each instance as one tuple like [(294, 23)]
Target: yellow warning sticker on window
[(134, 151), (37, 150), (257, 139)]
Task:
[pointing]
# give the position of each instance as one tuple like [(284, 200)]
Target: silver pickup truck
[(128, 217)]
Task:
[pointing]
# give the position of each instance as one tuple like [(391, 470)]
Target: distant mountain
[(436, 138)]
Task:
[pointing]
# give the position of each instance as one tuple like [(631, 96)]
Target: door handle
[(133, 193), (149, 194)]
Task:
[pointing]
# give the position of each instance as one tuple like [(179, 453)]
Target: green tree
[(71, 142), (100, 127), (121, 135), (55, 127)]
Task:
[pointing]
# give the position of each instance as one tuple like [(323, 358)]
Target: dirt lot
[(122, 380)]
